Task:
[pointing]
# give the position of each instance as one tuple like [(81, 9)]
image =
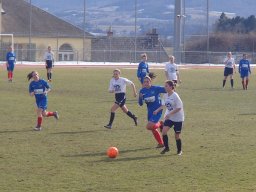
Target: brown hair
[(30, 75), (171, 83)]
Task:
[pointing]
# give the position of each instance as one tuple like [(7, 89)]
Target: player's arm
[(234, 66), (139, 72), (134, 90), (140, 101), (159, 109), (172, 113)]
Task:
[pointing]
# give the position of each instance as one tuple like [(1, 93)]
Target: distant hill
[(158, 14)]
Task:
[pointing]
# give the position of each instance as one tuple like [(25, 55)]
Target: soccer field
[(70, 154)]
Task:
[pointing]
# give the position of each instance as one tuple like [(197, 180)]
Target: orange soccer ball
[(112, 152)]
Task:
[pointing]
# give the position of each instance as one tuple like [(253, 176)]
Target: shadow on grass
[(88, 131), (16, 131), (106, 159), (78, 132), (253, 113), (104, 153)]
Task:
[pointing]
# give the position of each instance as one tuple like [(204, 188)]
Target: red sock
[(39, 121), (50, 114), (243, 84), (11, 74), (157, 136), (157, 125)]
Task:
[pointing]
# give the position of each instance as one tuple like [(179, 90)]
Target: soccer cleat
[(165, 150), (179, 153), (108, 126), (161, 126), (160, 146), (56, 115), (38, 128), (135, 120)]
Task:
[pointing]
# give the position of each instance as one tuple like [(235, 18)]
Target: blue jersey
[(10, 58), (151, 96), (244, 66), (142, 70), (39, 87)]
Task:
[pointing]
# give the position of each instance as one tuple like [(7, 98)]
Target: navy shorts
[(244, 73), (48, 64), (228, 71), (177, 125), (120, 99), (11, 67), (154, 118), (42, 103)]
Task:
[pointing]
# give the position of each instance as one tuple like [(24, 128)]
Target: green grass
[(70, 155)]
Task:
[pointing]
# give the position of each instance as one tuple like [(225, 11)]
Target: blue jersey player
[(244, 70), (10, 62), (142, 68), (40, 88), (150, 94)]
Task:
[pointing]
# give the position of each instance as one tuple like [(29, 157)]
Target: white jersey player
[(174, 115), (117, 85), (230, 67), (171, 70), (49, 60)]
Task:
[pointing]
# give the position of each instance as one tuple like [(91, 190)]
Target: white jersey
[(171, 69), (49, 56), (173, 102), (229, 63), (119, 85)]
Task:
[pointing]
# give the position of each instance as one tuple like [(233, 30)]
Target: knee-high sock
[(232, 83), (178, 144), (243, 84), (223, 83), (157, 136), (165, 139), (157, 125), (112, 117), (48, 75), (49, 114), (130, 114), (246, 83), (39, 121)]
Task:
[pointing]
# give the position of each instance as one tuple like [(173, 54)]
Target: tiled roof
[(17, 18)]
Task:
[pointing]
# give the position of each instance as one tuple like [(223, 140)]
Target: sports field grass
[(70, 155)]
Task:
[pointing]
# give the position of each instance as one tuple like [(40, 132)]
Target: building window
[(66, 53)]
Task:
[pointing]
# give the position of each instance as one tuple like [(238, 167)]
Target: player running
[(171, 70), (49, 61), (174, 116), (230, 67), (150, 94), (10, 63), (40, 88), (117, 85), (143, 69), (244, 70)]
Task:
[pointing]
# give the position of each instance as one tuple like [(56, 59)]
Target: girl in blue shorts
[(244, 70), (150, 94), (40, 88)]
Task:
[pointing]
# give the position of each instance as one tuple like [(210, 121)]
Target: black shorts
[(177, 125), (120, 99), (48, 64), (228, 71)]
